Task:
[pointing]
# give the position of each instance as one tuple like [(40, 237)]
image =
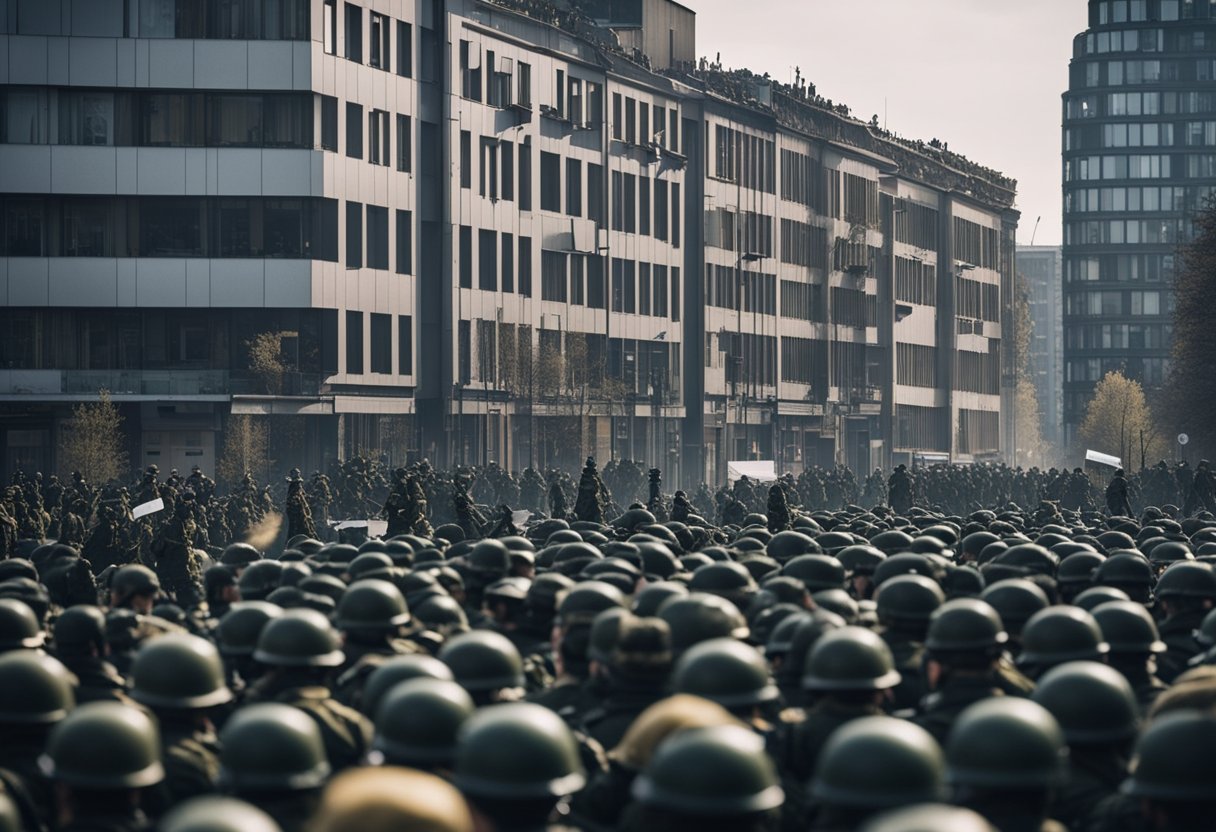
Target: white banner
[(1103, 459), (150, 507), (762, 470), (520, 517), (375, 528)]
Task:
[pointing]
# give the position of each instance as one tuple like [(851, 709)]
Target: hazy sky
[(984, 75)]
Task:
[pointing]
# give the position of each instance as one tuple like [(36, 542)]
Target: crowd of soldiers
[(981, 649)]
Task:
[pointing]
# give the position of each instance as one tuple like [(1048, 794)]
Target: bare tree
[(94, 443), (246, 448)]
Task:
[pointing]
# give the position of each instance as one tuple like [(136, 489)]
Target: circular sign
[(1183, 439)]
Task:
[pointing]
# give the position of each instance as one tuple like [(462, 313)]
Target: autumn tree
[(1032, 448), (1118, 422), (266, 360), (1190, 394), (94, 443), (246, 448)]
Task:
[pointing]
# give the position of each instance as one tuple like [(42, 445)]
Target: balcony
[(153, 383)]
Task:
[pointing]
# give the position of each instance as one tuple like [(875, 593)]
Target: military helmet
[(259, 579), (965, 625), (517, 751), (1030, 557), (1206, 634), (179, 671), (1078, 568), (584, 601), (1169, 551), (839, 602), (390, 799), (443, 613), (299, 638), (1061, 634), (1092, 702), (238, 629), (417, 722), (213, 813), (34, 689), (1173, 759), (861, 559), (397, 669), (710, 772), (483, 661), (728, 579), (647, 601), (490, 556), (80, 627), (239, 554), (928, 817), (1128, 628), (892, 541), (699, 617), (1007, 743), (789, 544), (1097, 596), (128, 736), (1125, 570), (1015, 600), (879, 762), (271, 747), (908, 599), (19, 627), (816, 571), (372, 604), (725, 671), (850, 658), (975, 542), (1187, 579), (604, 632), (133, 579), (543, 593)]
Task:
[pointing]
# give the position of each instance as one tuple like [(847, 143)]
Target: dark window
[(487, 260), (354, 33), (466, 257), (354, 235), (489, 168), (405, 51), (508, 262), (525, 266), (325, 231), (675, 294), (550, 182), (631, 203), (595, 193), (464, 350), (644, 290), (405, 345), (644, 205), (675, 215), (578, 292), (354, 342), (660, 209), (617, 123), (405, 144), (168, 228), (166, 120), (25, 227), (595, 281), (466, 159), (574, 187), (506, 157), (378, 147), (429, 55), (618, 201), (631, 287), (377, 237), (405, 242), (354, 130), (553, 276), (525, 176), (382, 343), (470, 70), (381, 51)]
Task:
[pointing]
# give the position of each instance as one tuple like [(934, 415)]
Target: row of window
[(916, 365), (804, 245), (977, 244), (751, 360), (1152, 268), (979, 431), (1102, 136), (377, 46), (1135, 166), (1137, 11), (1136, 199), (651, 124), (741, 157), (504, 86), (922, 427), (726, 288), (1121, 232), (372, 249), (1150, 371), (197, 19), (380, 348), (978, 372), (976, 300), (1118, 336), (916, 224), (1118, 303), (803, 180), (804, 361), (1139, 103), (1145, 40), (648, 294), (915, 282), (750, 234)]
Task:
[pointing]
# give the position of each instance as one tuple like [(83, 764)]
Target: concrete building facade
[(1041, 270)]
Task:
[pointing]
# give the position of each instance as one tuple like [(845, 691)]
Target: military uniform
[(939, 709)]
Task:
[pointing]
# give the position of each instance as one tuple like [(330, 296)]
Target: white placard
[(150, 507)]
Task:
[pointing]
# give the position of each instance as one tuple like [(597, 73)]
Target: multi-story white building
[(1041, 269)]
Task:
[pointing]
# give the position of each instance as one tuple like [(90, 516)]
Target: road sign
[(1183, 439)]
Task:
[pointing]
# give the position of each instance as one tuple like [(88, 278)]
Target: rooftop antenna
[(1036, 228)]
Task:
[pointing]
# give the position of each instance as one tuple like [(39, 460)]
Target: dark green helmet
[(1128, 628), (605, 630), (892, 542), (418, 720), (372, 604), (652, 596), (19, 627), (929, 817), (238, 631), (369, 563), (783, 546), (260, 579), (850, 659), (1006, 743), (1030, 557), (442, 613), (543, 593), (128, 736), (1187, 579), (217, 814), (727, 579), (1169, 551), (34, 689), (239, 554), (132, 580), (179, 671), (1015, 600), (1078, 568), (490, 556), (79, 629), (908, 600), (975, 542), (1205, 635), (839, 602), (517, 751), (1129, 571), (397, 669), (710, 772), (879, 762), (1097, 596), (584, 601), (726, 671), (1061, 634), (863, 560), (965, 625), (1093, 702), (483, 661), (1173, 759), (699, 617), (299, 638), (271, 747), (816, 571)]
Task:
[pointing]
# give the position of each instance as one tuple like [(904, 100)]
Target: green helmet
[(1129, 571), (129, 737), (839, 602), (726, 671), (1205, 635), (1097, 596), (397, 669), (517, 751), (879, 762), (1007, 743), (19, 627), (260, 579), (1015, 600), (489, 556), (372, 604), (790, 544), (1169, 551), (908, 600), (1078, 568), (1173, 759), (965, 625), (863, 560), (1187, 579), (928, 817), (239, 554), (851, 658), (80, 628), (34, 689), (217, 814), (271, 747), (647, 601), (418, 720), (1061, 634), (1092, 702), (299, 638), (705, 772), (816, 571), (132, 580), (483, 661), (699, 617), (584, 601), (367, 563), (605, 630), (238, 631), (1128, 628), (179, 671)]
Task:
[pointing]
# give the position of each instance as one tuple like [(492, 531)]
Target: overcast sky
[(984, 75)]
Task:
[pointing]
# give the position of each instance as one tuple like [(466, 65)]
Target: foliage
[(94, 443), (266, 360), (1118, 422), (246, 448), (1190, 395), (1032, 448)]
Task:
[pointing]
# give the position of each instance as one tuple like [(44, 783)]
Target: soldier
[(637, 668), (80, 643), (299, 516), (589, 505), (900, 487), (417, 723), (371, 616), (390, 800), (1203, 489), (217, 814), (1173, 780), (134, 587), (486, 665), (320, 498), (1117, 502), (779, 515), (1186, 593), (36, 693), (1134, 643), (176, 563)]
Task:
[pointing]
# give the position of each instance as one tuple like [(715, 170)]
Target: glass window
[(354, 342), (377, 237), (381, 52), (405, 242), (405, 49), (170, 228), (172, 119), (354, 130), (86, 118), (382, 343), (25, 227), (87, 228), (329, 123), (285, 231), (405, 345), (234, 120), (354, 235), (404, 144), (354, 33), (487, 260)]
